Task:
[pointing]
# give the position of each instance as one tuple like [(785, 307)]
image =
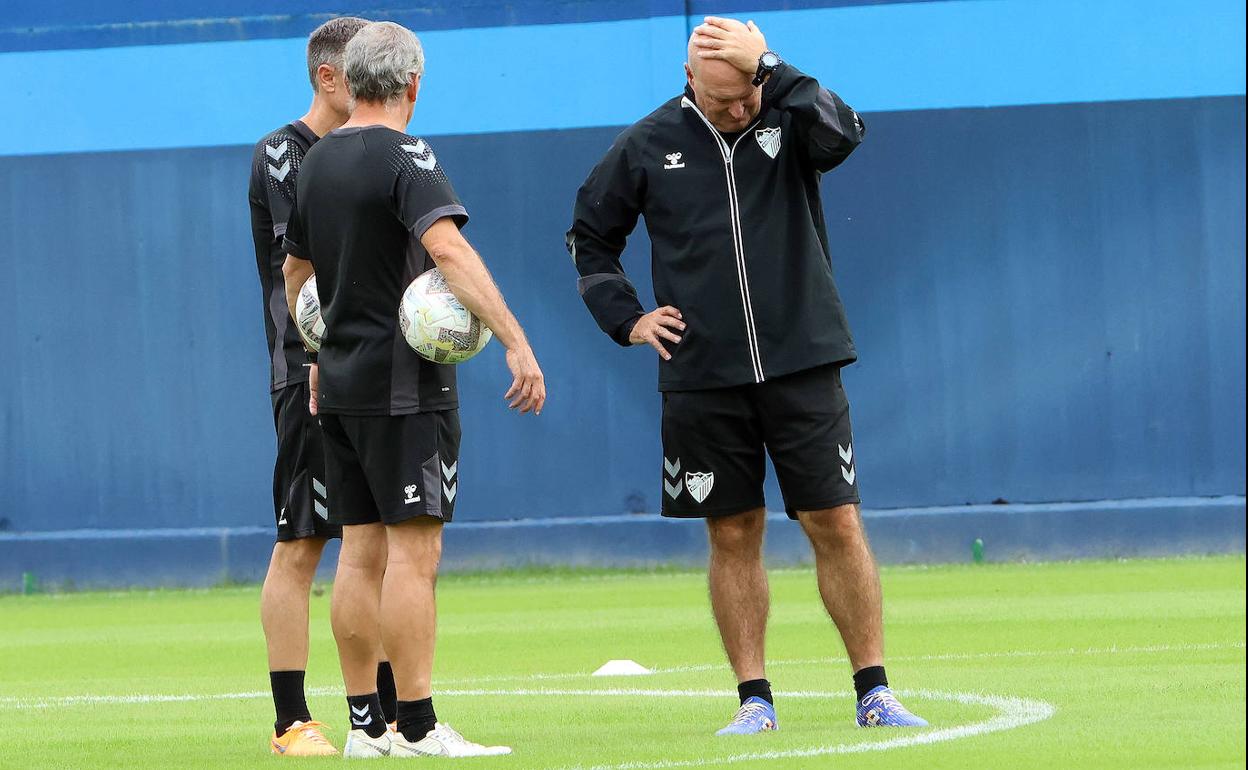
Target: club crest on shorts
[(699, 485), (769, 140)]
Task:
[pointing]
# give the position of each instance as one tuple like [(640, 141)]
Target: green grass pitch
[(1131, 664)]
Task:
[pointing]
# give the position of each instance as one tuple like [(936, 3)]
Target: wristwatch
[(768, 63)]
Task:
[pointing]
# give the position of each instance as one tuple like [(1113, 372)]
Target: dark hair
[(328, 41)]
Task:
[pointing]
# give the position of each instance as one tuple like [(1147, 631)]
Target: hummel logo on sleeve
[(279, 173), (422, 154), (673, 161)]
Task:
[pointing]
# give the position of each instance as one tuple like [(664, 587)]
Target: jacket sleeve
[(606, 211), (828, 128)]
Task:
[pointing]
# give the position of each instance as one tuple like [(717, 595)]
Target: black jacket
[(737, 232)]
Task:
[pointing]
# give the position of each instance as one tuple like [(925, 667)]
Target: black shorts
[(714, 443), (391, 469), (300, 506)]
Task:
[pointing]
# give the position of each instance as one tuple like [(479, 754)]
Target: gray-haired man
[(374, 210)]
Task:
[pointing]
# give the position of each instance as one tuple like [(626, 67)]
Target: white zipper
[(738, 244)]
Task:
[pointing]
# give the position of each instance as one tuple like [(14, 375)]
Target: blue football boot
[(755, 716), (880, 708)]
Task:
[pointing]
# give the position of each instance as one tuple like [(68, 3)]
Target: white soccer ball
[(437, 325), (308, 316)]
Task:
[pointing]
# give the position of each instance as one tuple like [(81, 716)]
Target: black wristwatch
[(768, 63)]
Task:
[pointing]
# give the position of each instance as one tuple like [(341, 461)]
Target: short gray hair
[(327, 43), (380, 61)]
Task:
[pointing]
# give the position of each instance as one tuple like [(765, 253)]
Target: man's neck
[(321, 119), (394, 115)]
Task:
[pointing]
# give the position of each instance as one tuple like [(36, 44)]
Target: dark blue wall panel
[(1049, 303)]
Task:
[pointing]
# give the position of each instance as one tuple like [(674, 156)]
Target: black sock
[(755, 688), (869, 678), (385, 691), (288, 699), (366, 714), (416, 718)]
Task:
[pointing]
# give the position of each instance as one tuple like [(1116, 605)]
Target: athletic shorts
[(391, 469), (715, 444), (299, 502)]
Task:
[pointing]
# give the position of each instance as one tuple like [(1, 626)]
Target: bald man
[(751, 337)]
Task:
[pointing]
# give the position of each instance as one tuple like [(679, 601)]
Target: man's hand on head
[(729, 40)]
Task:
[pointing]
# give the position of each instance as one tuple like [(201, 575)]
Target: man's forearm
[(296, 272), (472, 284)]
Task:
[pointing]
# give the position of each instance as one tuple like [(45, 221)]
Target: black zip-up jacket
[(737, 232)]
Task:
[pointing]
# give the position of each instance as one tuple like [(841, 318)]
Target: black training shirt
[(365, 197), (274, 167)]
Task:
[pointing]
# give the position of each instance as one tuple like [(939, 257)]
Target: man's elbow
[(448, 252), (294, 267)]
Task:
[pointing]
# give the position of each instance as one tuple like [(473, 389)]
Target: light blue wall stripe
[(977, 53)]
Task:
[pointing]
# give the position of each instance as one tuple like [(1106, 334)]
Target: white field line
[(1011, 713), (141, 698)]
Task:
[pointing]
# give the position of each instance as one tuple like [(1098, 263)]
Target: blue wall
[(1044, 270)]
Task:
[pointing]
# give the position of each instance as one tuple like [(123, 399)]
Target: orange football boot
[(303, 739)]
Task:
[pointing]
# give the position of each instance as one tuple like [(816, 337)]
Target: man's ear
[(325, 80), (688, 74), (413, 87)]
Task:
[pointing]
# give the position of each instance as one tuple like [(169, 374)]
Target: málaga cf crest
[(769, 140), (699, 484)]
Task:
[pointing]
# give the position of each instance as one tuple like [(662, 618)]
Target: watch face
[(769, 60)]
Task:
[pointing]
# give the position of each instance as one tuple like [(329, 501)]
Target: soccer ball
[(437, 325), (308, 316)]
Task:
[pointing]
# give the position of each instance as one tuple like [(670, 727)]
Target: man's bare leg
[(740, 596), (355, 606), (284, 617), (284, 601), (409, 618), (849, 582), (850, 586)]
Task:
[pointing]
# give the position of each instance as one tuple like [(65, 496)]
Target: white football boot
[(360, 745), (442, 741)]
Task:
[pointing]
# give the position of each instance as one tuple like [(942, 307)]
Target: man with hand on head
[(751, 336), (375, 209)]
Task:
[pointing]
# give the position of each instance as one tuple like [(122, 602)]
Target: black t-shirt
[(365, 197), (274, 167)]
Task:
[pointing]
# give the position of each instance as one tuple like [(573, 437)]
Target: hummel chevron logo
[(361, 712), (848, 472), (277, 152), (422, 154), (450, 486), (279, 173), (673, 490), (673, 469)]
